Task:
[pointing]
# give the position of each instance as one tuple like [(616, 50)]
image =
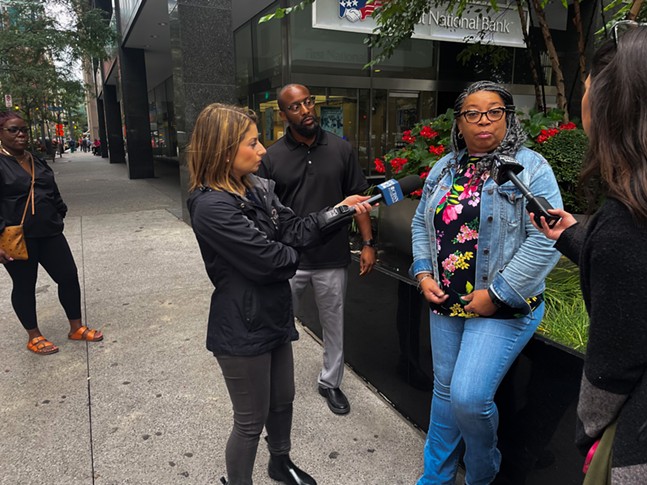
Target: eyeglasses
[(623, 26), (309, 102), (14, 129), (473, 116)]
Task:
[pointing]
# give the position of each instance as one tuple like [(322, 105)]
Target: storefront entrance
[(372, 120)]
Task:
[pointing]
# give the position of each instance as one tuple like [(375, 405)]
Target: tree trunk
[(539, 100), (635, 10), (554, 59), (577, 21)]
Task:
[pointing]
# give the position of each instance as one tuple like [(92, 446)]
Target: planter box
[(387, 343), (394, 226)]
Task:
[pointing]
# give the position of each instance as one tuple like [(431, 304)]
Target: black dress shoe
[(283, 470), (337, 402)]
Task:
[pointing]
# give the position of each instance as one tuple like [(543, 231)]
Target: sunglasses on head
[(622, 27)]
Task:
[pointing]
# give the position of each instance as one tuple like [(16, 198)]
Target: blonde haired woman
[(250, 245)]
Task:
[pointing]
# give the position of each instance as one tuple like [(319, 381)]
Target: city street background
[(148, 404)]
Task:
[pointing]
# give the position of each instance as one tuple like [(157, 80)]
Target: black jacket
[(14, 189), (249, 247), (611, 253)]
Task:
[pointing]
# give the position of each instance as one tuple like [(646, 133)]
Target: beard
[(306, 131)]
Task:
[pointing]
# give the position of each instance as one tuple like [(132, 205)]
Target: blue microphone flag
[(391, 192)]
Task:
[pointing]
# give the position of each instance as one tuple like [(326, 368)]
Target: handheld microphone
[(391, 191), (506, 168)]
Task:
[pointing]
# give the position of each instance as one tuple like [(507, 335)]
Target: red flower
[(546, 134), (568, 126), (379, 166), (397, 164), (428, 132), (416, 193), (406, 136), (424, 174), (437, 150)]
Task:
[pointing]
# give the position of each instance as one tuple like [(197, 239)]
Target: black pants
[(261, 389), (53, 254)]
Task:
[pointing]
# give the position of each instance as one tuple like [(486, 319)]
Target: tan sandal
[(41, 346), (84, 333)]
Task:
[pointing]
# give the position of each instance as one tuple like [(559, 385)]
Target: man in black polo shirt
[(314, 169)]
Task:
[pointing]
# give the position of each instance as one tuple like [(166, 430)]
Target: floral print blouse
[(457, 224)]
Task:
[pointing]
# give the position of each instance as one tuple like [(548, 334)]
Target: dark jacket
[(250, 249), (611, 253), (14, 189)]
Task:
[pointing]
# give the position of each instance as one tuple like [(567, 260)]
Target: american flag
[(366, 9)]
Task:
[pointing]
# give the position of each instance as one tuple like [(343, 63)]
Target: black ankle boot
[(283, 470), (223, 481)]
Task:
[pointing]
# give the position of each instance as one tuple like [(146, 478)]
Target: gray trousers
[(261, 389), (329, 286)]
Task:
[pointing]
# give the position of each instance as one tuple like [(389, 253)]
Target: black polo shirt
[(310, 178)]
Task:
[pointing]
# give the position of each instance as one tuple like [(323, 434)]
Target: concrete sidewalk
[(148, 405)]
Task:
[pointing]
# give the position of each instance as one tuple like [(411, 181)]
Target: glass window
[(243, 52), (269, 121), (472, 62), (522, 71), (364, 150), (379, 144), (267, 47), (403, 115), (319, 51), (413, 58), (163, 133)]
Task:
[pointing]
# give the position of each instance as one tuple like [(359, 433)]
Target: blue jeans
[(470, 358)]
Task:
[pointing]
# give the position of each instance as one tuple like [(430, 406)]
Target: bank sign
[(477, 24)]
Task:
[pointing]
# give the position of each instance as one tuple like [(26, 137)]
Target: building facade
[(177, 56)]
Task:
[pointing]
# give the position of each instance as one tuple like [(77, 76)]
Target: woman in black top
[(43, 228), (611, 252), (250, 245)]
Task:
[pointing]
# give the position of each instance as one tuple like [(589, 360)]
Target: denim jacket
[(513, 258)]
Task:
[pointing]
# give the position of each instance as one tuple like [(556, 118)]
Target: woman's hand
[(480, 303), (430, 289), (358, 202), (4, 257), (566, 221)]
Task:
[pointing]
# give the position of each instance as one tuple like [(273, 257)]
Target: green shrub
[(565, 152), (565, 320)]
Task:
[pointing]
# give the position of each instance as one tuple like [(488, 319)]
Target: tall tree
[(40, 43)]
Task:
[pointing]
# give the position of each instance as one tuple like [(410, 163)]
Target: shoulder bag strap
[(30, 197)]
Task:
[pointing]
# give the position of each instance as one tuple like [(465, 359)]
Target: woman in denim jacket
[(481, 265)]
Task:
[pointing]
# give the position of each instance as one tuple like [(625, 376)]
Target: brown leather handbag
[(12, 239)]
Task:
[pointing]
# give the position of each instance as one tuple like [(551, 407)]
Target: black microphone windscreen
[(410, 183)]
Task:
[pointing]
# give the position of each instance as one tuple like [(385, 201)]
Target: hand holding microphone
[(506, 168), (555, 231), (390, 192), (359, 204)]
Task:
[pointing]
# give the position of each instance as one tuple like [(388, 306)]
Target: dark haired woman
[(481, 265), (43, 228), (250, 245), (612, 255)]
